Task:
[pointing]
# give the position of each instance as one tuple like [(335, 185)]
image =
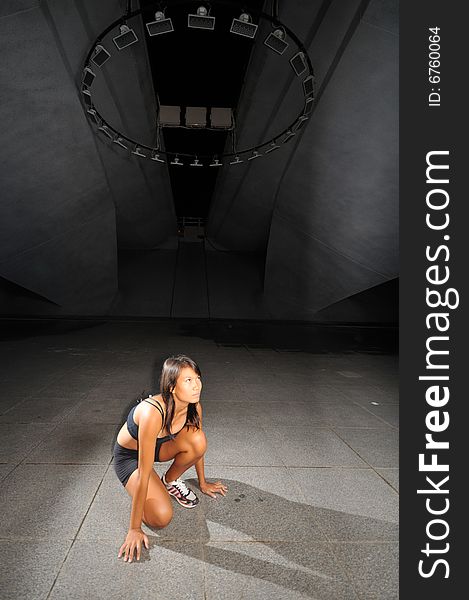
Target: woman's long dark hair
[(170, 372)]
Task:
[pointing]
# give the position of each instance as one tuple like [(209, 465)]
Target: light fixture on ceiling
[(156, 157), (107, 130), (298, 63), (243, 26), (169, 116), (308, 85), (221, 118), (276, 41), (94, 115), (100, 55), (309, 103), (213, 118), (138, 151), (254, 155), (88, 77), (300, 123), (120, 142), (126, 38), (196, 117), (201, 20), (273, 146), (160, 25), (87, 97)]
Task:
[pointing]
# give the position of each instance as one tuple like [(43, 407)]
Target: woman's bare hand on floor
[(133, 542), (211, 489)]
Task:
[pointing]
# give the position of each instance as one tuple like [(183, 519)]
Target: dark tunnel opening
[(197, 68)]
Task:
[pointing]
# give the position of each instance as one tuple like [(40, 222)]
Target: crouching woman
[(159, 429)]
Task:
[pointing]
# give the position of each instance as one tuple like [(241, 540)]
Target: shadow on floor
[(292, 549)]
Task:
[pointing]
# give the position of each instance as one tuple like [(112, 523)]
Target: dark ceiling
[(192, 67)]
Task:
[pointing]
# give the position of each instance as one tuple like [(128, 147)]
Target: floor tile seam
[(276, 542), (326, 428), (324, 542), (353, 449), (23, 461), (358, 386), (38, 422), (58, 422), (63, 375), (341, 566), (17, 538), (367, 542), (297, 487), (322, 530), (165, 540), (326, 466), (338, 391), (59, 570), (292, 467), (77, 533), (364, 395), (381, 402), (377, 416), (373, 468), (279, 403), (67, 374), (36, 397), (43, 390), (68, 464), (211, 464), (76, 406), (19, 403), (311, 402), (366, 410), (293, 428), (349, 576), (364, 428), (7, 473), (385, 480), (365, 466), (328, 425), (384, 427), (204, 571)]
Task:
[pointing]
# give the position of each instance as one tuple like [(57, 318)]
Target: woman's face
[(188, 386)]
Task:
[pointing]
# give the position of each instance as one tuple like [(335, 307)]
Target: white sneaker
[(179, 490)]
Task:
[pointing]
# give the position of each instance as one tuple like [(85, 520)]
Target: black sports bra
[(133, 427)]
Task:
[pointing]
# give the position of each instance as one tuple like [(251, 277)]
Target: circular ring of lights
[(300, 63)]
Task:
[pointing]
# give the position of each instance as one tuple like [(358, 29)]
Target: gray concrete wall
[(70, 198), (336, 209), (324, 207)]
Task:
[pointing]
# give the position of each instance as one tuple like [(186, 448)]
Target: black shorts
[(125, 462)]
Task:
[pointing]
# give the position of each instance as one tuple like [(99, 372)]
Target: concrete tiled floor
[(306, 442)]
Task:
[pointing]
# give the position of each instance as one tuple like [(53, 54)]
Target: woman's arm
[(199, 467), (205, 487), (150, 423)]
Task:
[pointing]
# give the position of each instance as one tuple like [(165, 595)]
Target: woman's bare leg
[(158, 510), (186, 449)]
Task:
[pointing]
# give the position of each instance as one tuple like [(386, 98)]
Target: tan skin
[(151, 502)]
